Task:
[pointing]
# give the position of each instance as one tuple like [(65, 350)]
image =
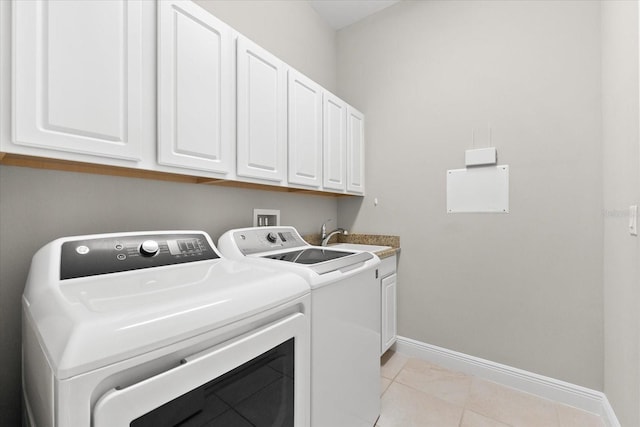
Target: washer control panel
[(83, 258), (263, 239)]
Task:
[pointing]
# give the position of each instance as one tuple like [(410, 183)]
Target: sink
[(357, 247)]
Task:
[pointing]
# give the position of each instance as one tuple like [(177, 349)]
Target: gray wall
[(621, 159), (287, 29), (525, 288), (37, 206)]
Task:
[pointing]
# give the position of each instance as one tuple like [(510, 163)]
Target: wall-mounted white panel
[(195, 86), (481, 189)]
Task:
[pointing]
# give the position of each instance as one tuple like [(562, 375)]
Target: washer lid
[(89, 322), (321, 260), (309, 256)]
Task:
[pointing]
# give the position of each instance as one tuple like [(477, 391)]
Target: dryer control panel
[(91, 257)]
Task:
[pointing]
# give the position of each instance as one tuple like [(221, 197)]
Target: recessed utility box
[(266, 217)]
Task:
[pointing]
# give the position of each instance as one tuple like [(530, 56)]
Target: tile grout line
[(464, 407), (553, 389)]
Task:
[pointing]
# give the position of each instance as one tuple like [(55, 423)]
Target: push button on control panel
[(82, 250)]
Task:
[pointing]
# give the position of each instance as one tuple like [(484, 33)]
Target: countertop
[(392, 242)]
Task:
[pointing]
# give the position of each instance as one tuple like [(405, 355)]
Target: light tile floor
[(416, 393)]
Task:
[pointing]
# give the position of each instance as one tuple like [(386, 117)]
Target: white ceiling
[(342, 13)]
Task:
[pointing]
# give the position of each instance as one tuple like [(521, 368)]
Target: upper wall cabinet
[(195, 88), (5, 88), (78, 76), (305, 131), (343, 146), (334, 142), (85, 86), (262, 113), (355, 151)]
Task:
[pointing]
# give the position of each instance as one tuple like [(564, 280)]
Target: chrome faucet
[(327, 236)]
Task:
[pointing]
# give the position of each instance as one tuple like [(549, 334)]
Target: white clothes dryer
[(345, 319), (157, 329)]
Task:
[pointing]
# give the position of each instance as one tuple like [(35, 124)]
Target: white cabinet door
[(5, 89), (77, 76), (305, 131), (388, 303), (355, 151), (262, 113), (334, 142), (195, 88)]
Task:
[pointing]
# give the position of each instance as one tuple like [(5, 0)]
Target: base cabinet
[(388, 303), (388, 315)]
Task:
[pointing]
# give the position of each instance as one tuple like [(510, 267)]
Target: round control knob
[(272, 237), (149, 248)]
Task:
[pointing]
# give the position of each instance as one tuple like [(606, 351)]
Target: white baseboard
[(570, 394), (609, 417)]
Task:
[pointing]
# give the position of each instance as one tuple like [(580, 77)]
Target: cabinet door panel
[(77, 76), (195, 88), (262, 110), (305, 131), (5, 88), (334, 147), (355, 151), (388, 300)]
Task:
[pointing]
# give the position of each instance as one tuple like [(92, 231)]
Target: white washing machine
[(156, 329), (345, 319)]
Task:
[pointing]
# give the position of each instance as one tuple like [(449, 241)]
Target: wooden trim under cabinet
[(71, 166)]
